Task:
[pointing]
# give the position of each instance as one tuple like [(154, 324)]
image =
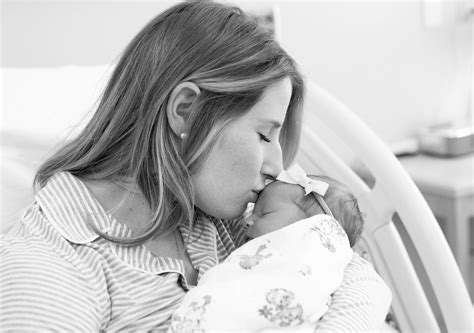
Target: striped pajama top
[(58, 274)]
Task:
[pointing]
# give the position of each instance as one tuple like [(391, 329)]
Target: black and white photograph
[(230, 166)]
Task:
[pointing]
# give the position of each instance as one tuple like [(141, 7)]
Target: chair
[(429, 296)]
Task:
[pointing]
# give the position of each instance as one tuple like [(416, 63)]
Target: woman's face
[(246, 153)]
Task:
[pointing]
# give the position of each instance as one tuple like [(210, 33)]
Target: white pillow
[(41, 107)]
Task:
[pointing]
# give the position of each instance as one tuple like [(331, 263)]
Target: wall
[(380, 58), (384, 62)]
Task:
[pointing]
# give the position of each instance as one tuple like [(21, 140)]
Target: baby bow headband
[(296, 175)]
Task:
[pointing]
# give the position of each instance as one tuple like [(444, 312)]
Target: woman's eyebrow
[(274, 123)]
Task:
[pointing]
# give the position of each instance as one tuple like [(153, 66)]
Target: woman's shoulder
[(71, 209)]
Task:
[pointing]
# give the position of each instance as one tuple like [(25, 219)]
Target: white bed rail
[(394, 192)]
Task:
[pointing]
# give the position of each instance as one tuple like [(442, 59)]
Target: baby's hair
[(342, 203)]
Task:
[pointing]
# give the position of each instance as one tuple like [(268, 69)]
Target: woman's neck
[(127, 205)]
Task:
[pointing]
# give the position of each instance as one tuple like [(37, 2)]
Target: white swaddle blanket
[(281, 280)]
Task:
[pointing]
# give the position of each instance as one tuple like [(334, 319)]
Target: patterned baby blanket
[(280, 281)]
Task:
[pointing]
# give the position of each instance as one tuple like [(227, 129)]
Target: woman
[(202, 109)]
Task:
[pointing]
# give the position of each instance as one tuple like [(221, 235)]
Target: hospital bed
[(41, 107)]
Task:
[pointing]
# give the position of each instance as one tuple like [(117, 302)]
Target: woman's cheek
[(248, 161)]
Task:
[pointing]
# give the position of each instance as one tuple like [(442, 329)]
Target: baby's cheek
[(264, 226), (249, 233), (253, 232), (256, 230)]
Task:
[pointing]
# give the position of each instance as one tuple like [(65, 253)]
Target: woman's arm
[(361, 303)]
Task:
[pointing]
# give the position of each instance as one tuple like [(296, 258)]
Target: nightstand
[(447, 185)]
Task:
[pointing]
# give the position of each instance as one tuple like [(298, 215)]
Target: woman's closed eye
[(264, 137)]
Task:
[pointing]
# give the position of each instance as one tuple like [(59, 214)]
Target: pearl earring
[(183, 136)]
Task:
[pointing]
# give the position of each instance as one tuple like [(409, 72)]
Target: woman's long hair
[(129, 141)]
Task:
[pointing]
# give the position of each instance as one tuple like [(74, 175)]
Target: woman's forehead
[(272, 106)]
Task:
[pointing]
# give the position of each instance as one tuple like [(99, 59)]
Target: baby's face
[(275, 209)]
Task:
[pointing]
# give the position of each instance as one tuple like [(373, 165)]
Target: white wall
[(383, 61), (55, 33), (379, 57)]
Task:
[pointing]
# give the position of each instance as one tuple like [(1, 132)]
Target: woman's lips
[(255, 195)]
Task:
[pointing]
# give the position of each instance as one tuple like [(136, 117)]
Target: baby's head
[(281, 204)]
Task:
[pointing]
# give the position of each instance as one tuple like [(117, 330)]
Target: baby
[(283, 277), (282, 203)]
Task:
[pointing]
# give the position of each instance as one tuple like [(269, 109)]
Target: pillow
[(42, 107)]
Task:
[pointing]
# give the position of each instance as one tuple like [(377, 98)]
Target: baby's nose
[(249, 221)]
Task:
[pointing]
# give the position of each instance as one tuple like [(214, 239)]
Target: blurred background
[(400, 65)]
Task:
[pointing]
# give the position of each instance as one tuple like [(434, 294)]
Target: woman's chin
[(229, 213), (238, 212)]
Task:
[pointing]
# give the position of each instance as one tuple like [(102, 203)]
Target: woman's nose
[(273, 162)]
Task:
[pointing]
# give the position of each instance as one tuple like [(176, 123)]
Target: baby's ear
[(179, 106)]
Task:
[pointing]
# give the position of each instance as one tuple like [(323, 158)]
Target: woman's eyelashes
[(264, 137)]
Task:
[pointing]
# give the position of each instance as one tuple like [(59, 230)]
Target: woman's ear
[(179, 106)]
